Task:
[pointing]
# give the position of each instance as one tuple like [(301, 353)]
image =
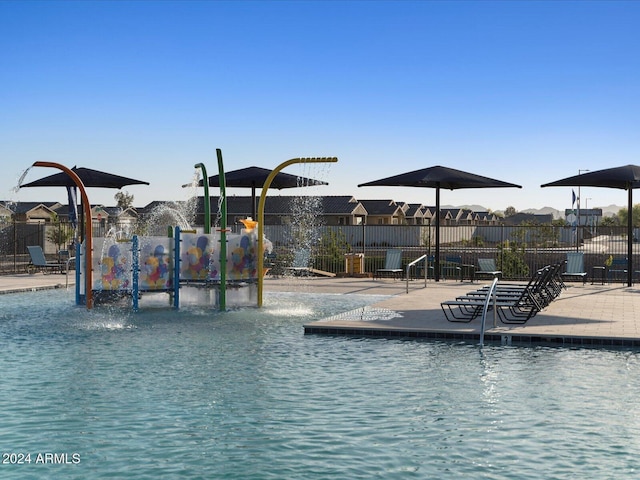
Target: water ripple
[(244, 394)]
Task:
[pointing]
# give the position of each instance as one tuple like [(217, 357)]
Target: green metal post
[(223, 232), (207, 205)]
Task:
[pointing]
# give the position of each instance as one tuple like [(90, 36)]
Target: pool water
[(245, 394)]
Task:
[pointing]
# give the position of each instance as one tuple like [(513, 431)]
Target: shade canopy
[(623, 178), (89, 177), (254, 177), (627, 178), (439, 177)]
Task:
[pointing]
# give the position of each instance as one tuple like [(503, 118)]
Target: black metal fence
[(517, 250), (16, 236)]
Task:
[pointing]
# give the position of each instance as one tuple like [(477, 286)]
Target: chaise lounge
[(39, 262)]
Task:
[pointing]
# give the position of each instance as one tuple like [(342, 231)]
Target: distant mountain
[(473, 208), (609, 211), (545, 211)]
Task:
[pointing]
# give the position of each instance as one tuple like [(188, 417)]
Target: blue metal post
[(78, 260)]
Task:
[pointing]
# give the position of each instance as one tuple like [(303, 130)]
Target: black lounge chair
[(514, 303)]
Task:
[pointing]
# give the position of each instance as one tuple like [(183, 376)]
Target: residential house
[(429, 214), (99, 213), (280, 210), (486, 218), (36, 212), (121, 219), (383, 212), (415, 214), (449, 216)]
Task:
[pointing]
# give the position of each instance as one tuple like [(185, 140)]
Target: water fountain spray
[(261, 204)]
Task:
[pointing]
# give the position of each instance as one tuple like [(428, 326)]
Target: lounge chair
[(392, 264), (617, 270), (452, 267), (487, 266), (575, 267), (514, 303), (39, 262)]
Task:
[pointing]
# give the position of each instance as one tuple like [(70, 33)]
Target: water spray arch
[(261, 203), (88, 226)]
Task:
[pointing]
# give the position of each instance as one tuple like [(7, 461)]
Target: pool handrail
[(491, 294), (416, 261)]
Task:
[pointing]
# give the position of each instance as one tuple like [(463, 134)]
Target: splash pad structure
[(211, 263), (185, 264)]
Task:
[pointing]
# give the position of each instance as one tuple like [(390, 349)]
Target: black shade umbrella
[(439, 177), (254, 177), (624, 178), (89, 177)]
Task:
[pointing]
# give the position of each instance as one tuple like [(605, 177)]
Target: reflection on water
[(245, 394)]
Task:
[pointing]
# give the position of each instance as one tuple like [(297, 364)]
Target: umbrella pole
[(437, 259), (253, 200), (630, 239)]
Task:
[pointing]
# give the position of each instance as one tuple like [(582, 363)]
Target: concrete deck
[(24, 282), (581, 315)]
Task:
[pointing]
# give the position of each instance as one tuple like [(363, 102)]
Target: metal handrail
[(423, 257), (490, 294)]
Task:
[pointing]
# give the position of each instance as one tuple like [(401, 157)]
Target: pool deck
[(24, 282), (606, 315)]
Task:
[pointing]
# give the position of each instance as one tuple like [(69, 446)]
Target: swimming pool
[(244, 394)]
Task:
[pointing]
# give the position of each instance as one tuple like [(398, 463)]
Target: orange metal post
[(88, 227)]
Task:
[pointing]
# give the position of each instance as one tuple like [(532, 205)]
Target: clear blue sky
[(526, 92)]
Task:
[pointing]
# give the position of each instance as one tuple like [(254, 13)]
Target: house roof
[(284, 205), (414, 210), (450, 213), (381, 207), (24, 207)]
